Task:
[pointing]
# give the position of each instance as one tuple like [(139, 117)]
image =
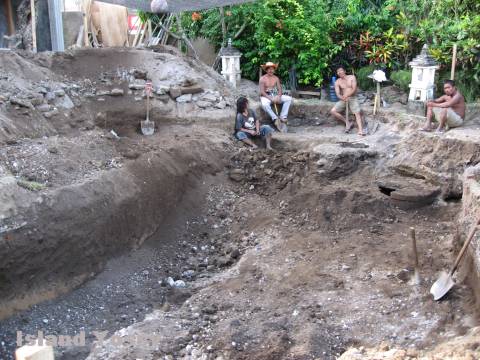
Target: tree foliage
[(314, 36)]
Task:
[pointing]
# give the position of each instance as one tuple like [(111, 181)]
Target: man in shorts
[(448, 110), (346, 90)]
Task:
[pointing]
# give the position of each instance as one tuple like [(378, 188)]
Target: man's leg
[(266, 105), (428, 123), (266, 132), (358, 117), (341, 106), (243, 137), (357, 111), (286, 102), (442, 120)]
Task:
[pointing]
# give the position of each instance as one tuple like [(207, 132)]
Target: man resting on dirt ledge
[(247, 125), (271, 93), (449, 109), (346, 90)]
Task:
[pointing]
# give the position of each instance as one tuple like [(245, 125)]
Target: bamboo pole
[(10, 21), (454, 62)]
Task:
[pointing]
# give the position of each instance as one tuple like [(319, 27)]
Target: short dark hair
[(241, 104), (340, 67), (449, 82)]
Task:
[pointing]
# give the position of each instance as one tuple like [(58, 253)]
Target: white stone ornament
[(159, 6), (379, 76)]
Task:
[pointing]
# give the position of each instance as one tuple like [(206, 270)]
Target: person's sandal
[(424, 129)]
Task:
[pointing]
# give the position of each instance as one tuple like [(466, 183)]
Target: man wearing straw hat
[(271, 93), (346, 90)]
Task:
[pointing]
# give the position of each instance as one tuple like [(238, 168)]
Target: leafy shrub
[(363, 81), (401, 78)]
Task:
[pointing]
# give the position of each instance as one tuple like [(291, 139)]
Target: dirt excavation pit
[(188, 245)]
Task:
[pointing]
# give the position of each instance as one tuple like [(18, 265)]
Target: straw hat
[(269, 64)]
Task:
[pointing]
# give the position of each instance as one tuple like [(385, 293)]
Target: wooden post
[(86, 7), (10, 21), (34, 25), (454, 62), (224, 26)]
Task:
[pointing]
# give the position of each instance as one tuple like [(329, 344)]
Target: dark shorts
[(264, 131)]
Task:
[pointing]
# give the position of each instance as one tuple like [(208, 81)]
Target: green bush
[(363, 81), (469, 88), (401, 78)]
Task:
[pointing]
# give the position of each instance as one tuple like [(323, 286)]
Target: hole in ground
[(386, 190)]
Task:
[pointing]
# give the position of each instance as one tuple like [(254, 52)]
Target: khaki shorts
[(353, 105), (453, 119)]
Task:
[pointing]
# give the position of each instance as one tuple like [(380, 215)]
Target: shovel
[(445, 281), (148, 127), (416, 276)]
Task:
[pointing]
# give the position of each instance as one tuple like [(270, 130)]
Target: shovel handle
[(465, 246), (346, 110), (414, 244)]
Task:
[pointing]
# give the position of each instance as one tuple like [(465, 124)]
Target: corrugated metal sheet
[(177, 5)]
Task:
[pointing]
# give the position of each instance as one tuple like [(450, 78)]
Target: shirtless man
[(271, 92), (346, 90), (449, 109)]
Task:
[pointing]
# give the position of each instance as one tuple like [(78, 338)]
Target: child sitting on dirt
[(248, 126)]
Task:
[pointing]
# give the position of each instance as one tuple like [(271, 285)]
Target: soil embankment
[(218, 251)]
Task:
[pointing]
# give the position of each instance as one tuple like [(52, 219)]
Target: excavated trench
[(239, 254)]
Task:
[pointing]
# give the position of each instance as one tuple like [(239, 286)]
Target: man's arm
[(337, 90), (353, 87), (263, 89), (279, 86), (435, 102), (449, 103)]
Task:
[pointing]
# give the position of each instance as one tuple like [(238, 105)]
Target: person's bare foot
[(269, 148)]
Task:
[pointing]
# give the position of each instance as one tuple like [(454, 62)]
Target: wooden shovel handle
[(465, 246), (414, 245)]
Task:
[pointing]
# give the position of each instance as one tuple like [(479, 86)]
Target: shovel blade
[(441, 286), (148, 127)]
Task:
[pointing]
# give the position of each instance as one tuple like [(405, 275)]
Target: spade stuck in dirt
[(148, 127), (445, 281)]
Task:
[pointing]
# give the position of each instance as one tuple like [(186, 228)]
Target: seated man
[(346, 90), (449, 109), (248, 126), (271, 92)]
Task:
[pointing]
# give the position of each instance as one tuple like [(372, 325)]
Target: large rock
[(440, 160), (184, 98)]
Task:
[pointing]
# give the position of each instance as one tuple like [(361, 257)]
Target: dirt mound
[(461, 348)]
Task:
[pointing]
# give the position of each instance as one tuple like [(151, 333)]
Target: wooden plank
[(34, 25), (113, 24), (86, 14), (311, 93), (10, 21)]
